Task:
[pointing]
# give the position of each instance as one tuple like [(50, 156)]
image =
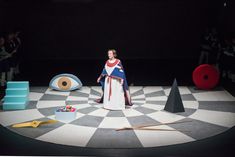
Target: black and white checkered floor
[(207, 113)]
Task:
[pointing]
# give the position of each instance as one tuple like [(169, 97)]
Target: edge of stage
[(15, 144), (219, 145)]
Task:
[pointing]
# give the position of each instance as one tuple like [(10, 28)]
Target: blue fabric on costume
[(116, 73)]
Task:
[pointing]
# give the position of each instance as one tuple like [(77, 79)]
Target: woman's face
[(110, 54)]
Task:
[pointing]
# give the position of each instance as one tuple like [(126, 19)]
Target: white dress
[(113, 92)]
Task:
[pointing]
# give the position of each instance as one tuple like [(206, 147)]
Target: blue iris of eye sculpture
[(65, 82)]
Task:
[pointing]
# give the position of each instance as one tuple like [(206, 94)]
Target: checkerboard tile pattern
[(207, 113)]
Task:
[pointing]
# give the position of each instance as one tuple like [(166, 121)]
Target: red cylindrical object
[(205, 76)]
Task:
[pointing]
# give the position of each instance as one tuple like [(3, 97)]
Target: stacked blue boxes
[(17, 95)]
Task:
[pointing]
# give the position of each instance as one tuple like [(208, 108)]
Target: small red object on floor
[(205, 76)]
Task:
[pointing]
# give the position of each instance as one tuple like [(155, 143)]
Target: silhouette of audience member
[(4, 62)]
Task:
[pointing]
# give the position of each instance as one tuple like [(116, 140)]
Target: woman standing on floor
[(114, 84)]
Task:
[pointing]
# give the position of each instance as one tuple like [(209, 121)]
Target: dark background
[(86, 29), (156, 40)]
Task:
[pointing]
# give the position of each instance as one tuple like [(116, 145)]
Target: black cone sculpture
[(174, 102)]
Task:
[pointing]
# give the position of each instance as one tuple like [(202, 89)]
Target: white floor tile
[(134, 89), (99, 112), (131, 112), (226, 119), (182, 89), (191, 104), (138, 96), (150, 138), (165, 117), (47, 104), (76, 98), (33, 96), (137, 101), (114, 122), (85, 89), (94, 96), (134, 106), (97, 88), (69, 134), (91, 101), (99, 105), (54, 92), (214, 96), (151, 89), (156, 98), (12, 117), (153, 106), (81, 106)]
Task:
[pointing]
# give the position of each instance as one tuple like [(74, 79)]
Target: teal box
[(17, 91), (14, 105), (17, 95), (17, 84), (15, 98)]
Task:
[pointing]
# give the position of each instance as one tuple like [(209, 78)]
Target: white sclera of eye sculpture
[(65, 82)]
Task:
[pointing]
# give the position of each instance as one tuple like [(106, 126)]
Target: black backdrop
[(85, 29), (73, 36)]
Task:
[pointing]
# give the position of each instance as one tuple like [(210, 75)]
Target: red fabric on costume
[(110, 86), (112, 64)]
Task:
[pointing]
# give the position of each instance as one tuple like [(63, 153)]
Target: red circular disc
[(205, 76)]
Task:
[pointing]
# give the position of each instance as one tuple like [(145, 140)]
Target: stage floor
[(207, 113)]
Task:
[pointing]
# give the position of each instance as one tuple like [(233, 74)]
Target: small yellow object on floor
[(33, 124)]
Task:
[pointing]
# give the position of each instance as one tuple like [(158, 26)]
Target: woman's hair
[(114, 52)]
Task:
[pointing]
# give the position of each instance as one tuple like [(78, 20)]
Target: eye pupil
[(64, 83)]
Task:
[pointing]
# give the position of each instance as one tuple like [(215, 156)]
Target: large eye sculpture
[(65, 82)]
